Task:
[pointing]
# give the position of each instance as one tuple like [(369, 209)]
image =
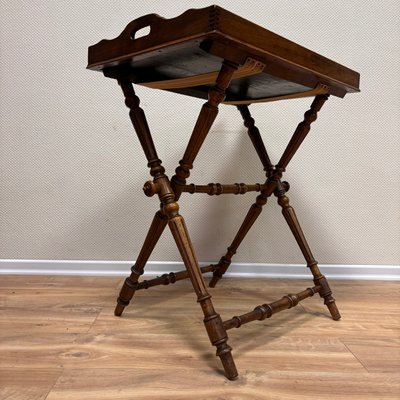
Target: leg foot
[(326, 292), (212, 320), (218, 337), (229, 366), (127, 291), (332, 308), (119, 310)]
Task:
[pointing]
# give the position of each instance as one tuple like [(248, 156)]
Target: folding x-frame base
[(169, 192)]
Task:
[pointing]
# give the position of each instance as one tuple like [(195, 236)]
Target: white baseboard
[(245, 270)]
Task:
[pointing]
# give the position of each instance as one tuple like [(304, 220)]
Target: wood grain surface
[(59, 340)]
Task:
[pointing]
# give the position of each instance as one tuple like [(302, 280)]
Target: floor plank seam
[(94, 321), (54, 384), (347, 347), (45, 361)]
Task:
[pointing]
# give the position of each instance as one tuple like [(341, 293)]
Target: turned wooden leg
[(212, 320), (129, 287), (159, 223), (298, 136), (206, 118), (225, 261), (319, 279), (256, 208), (161, 186), (301, 132), (256, 139)]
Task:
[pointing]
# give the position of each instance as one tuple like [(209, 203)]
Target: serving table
[(213, 54)]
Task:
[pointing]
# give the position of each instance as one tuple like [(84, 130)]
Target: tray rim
[(215, 24)]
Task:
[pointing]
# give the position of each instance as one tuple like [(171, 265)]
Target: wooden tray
[(184, 55)]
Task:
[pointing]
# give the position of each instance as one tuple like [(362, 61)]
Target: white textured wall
[(72, 169)]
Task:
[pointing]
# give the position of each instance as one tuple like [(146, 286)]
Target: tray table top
[(184, 55)]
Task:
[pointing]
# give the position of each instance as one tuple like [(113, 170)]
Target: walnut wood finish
[(203, 125), (250, 67), (319, 89), (319, 279), (170, 209), (273, 183), (157, 171), (251, 217), (198, 36), (256, 208), (216, 189), (170, 191), (131, 283), (279, 188), (301, 132), (255, 137), (267, 310), (170, 278), (213, 54), (212, 320)]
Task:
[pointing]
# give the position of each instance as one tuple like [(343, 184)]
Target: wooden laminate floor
[(59, 340)]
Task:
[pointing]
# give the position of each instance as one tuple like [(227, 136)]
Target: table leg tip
[(213, 281), (118, 310)]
